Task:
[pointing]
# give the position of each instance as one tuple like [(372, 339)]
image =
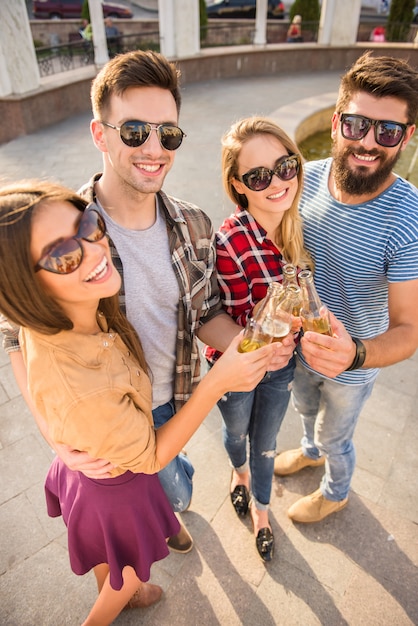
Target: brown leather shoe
[(182, 542), (314, 508), (293, 461), (146, 595)]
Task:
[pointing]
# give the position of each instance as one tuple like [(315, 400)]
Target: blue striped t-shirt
[(357, 250)]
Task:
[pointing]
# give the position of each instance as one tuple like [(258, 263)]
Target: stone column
[(166, 24), (19, 72), (179, 27), (101, 55), (260, 37), (339, 22)]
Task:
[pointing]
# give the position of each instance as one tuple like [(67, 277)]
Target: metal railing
[(75, 54), (63, 57)]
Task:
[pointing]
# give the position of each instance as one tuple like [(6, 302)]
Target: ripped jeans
[(176, 477), (255, 417)]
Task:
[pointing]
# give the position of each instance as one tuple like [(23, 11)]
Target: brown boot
[(293, 461), (182, 542), (146, 595), (314, 508)]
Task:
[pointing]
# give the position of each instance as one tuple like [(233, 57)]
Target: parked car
[(62, 9), (241, 8)]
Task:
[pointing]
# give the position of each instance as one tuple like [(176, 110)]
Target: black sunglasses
[(134, 133), (386, 133), (66, 256), (259, 178)]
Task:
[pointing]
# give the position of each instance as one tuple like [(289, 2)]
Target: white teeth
[(277, 195), (149, 168), (98, 272), (365, 157)]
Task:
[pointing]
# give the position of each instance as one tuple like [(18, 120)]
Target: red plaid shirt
[(246, 262)]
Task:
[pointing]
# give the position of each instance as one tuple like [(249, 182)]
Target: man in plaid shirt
[(163, 247)]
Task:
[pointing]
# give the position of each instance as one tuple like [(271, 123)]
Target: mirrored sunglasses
[(134, 133), (66, 256), (386, 133), (259, 178)]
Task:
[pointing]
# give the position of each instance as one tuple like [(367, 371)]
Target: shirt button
[(105, 343)]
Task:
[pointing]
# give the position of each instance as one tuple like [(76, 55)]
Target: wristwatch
[(360, 355)]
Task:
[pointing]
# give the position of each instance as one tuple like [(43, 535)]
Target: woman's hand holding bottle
[(241, 371)]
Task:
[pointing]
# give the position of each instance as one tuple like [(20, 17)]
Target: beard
[(360, 181)]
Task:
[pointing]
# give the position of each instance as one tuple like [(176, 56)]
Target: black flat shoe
[(240, 499), (265, 544)]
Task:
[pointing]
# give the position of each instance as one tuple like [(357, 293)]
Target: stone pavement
[(356, 568)]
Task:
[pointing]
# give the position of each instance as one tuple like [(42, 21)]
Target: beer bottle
[(260, 329), (290, 280), (284, 310), (314, 314)]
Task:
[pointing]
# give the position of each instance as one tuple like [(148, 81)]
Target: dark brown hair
[(381, 77), (22, 299), (133, 69)]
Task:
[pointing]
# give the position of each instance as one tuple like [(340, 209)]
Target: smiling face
[(267, 206), (363, 167), (95, 277), (142, 169)]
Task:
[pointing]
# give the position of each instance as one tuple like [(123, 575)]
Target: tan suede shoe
[(314, 508), (293, 461), (146, 595)]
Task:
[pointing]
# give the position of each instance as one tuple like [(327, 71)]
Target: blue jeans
[(329, 412), (255, 417), (176, 477)]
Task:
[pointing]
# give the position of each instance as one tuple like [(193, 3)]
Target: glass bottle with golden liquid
[(290, 280), (261, 329), (314, 313), (284, 312)]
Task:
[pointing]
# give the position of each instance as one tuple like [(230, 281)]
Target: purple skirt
[(119, 521)]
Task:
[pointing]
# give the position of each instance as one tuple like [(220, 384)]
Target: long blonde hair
[(288, 235)]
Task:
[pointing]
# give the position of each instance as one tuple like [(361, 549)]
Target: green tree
[(399, 20), (85, 11), (203, 20), (309, 10)]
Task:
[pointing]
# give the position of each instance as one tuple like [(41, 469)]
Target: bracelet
[(360, 355)]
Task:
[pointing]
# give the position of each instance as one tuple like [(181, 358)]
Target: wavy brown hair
[(288, 236), (139, 68), (22, 299), (381, 77)]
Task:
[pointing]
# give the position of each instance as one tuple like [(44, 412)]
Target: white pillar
[(339, 22), (260, 38), (101, 55), (179, 27), (166, 24), (187, 27), (19, 72)]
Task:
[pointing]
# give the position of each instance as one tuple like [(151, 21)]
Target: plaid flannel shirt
[(192, 246), (247, 261)]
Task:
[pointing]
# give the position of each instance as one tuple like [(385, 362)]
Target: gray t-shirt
[(152, 297)]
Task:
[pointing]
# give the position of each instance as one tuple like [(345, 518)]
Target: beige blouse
[(93, 396)]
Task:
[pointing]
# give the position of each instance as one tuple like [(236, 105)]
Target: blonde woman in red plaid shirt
[(262, 175)]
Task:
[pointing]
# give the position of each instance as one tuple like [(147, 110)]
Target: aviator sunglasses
[(134, 133), (259, 178), (66, 256), (386, 133)]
